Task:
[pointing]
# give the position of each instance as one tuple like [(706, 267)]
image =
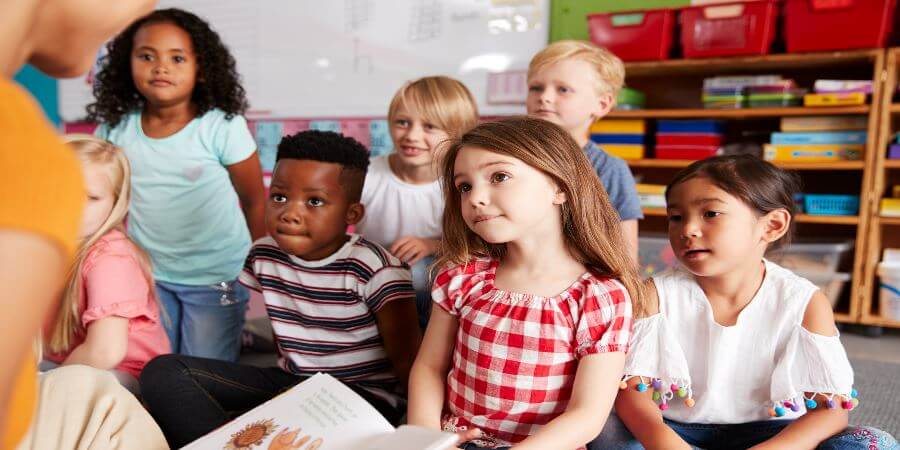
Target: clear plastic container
[(889, 290), (812, 257), (655, 254), (831, 284)]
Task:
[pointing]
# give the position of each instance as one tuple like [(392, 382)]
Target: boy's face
[(565, 93), (308, 210)]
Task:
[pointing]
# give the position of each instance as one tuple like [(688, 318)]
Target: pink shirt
[(113, 285)]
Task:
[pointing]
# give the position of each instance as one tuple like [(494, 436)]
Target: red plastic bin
[(815, 25), (730, 29), (634, 35), (685, 151), (703, 139)]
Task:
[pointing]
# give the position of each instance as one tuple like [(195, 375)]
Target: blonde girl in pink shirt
[(109, 317)]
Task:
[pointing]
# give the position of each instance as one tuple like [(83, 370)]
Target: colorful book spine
[(824, 137), (624, 151), (812, 153), (637, 126), (824, 123), (610, 138)]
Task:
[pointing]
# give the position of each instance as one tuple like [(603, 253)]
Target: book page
[(320, 413)]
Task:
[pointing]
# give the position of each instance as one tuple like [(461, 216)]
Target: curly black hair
[(330, 147), (218, 83)]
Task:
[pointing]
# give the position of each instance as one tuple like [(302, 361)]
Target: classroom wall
[(43, 88)]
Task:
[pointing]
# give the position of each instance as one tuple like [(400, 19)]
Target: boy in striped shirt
[(338, 303)]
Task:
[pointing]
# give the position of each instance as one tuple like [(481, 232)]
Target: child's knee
[(161, 373), (860, 438)]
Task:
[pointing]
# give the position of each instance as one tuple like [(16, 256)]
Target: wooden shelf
[(838, 220), (740, 113), (892, 164), (889, 220), (843, 318), (766, 62), (880, 321), (800, 218), (679, 163), (895, 108)]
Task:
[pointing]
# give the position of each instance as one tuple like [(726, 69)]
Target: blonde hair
[(590, 223), (443, 101), (92, 150), (609, 68)]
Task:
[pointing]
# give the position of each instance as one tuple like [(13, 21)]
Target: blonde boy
[(402, 192), (573, 84)]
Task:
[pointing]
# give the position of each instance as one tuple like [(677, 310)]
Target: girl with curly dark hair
[(169, 94)]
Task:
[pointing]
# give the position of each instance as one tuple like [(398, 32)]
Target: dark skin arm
[(398, 325), (246, 176)]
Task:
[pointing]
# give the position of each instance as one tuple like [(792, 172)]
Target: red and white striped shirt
[(516, 354), (323, 312)]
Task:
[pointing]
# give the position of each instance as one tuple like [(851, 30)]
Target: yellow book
[(624, 151), (834, 99), (651, 188), (813, 153), (614, 126), (890, 207)]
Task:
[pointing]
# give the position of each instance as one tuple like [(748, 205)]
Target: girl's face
[(416, 140), (713, 232), (101, 198), (502, 199), (163, 64)]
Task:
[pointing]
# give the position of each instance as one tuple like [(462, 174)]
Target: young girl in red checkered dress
[(534, 299)]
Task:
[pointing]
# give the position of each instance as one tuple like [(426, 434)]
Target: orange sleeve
[(42, 192), (42, 186)]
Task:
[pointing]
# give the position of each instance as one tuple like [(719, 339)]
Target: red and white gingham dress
[(516, 354)]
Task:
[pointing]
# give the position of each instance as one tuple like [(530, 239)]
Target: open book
[(320, 413)]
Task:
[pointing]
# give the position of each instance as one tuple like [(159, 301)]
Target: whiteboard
[(347, 58)]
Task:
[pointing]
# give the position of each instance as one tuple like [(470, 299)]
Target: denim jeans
[(189, 397), (422, 285), (204, 321), (615, 436)]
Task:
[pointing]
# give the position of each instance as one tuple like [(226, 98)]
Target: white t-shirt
[(395, 209), (738, 373)]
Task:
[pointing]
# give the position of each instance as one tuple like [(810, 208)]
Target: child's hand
[(285, 440), (412, 249), (467, 435)]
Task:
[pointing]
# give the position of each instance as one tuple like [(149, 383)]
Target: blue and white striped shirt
[(323, 312)]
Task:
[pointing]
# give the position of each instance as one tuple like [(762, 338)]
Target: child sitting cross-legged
[(339, 304)]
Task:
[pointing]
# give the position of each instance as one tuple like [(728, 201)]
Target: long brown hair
[(593, 234), (92, 150)]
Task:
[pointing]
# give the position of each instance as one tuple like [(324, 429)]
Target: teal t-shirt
[(184, 211)]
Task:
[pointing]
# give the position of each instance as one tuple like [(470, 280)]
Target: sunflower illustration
[(251, 435)]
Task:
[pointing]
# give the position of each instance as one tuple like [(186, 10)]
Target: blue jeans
[(422, 285), (615, 436), (204, 321)]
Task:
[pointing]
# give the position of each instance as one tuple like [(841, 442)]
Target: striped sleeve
[(388, 284), (248, 276)]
